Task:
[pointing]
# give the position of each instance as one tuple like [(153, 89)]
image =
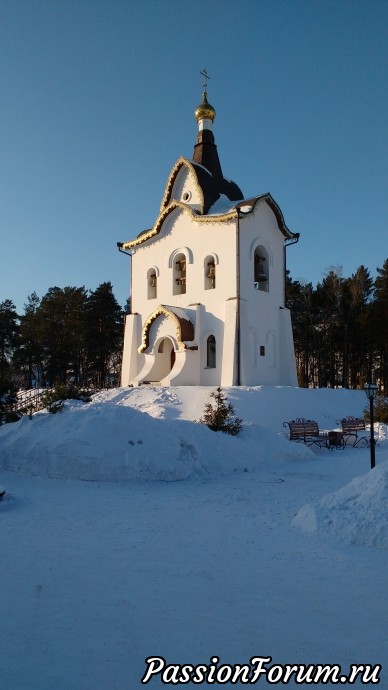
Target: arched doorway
[(164, 359)]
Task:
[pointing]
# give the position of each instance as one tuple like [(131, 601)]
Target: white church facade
[(208, 282)]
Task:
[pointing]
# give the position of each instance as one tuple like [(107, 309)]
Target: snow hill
[(111, 439), (148, 433)]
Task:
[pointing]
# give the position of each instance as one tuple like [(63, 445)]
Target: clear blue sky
[(97, 104)]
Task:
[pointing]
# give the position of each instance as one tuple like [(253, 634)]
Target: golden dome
[(205, 111)]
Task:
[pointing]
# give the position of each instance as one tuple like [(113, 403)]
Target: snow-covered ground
[(186, 544)]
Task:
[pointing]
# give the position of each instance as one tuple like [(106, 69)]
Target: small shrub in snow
[(54, 399), (221, 416), (7, 412)]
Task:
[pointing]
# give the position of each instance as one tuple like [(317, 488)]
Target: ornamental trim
[(181, 162), (161, 310), (173, 205)]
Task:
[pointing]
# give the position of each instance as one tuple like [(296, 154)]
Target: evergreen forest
[(341, 329), (72, 335)]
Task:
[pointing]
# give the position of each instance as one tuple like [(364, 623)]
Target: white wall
[(180, 233), (265, 338), (262, 323)]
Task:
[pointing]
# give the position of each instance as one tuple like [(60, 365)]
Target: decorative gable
[(183, 185), (186, 189)]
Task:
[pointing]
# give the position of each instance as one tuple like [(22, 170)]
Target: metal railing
[(27, 402)]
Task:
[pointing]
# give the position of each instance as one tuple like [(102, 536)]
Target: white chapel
[(208, 282)]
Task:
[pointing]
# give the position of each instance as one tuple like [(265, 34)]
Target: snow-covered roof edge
[(242, 208), (249, 205)]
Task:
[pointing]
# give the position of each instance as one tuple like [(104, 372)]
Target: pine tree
[(104, 328), (331, 309), (221, 416), (300, 301), (28, 356), (359, 332), (9, 332), (62, 329), (380, 317)]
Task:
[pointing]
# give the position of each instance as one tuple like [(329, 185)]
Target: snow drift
[(98, 575), (356, 514), (149, 434), (104, 441)]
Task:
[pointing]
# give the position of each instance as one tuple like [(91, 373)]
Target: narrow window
[(179, 275), (152, 283), (262, 351), (210, 273), (260, 276), (211, 352)]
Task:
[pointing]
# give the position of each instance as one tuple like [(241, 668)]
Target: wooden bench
[(306, 431), (350, 427)]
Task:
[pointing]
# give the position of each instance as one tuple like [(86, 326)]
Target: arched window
[(261, 269), (179, 275), (211, 352), (152, 283), (210, 273)]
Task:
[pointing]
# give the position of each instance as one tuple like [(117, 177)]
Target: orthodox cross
[(205, 77)]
